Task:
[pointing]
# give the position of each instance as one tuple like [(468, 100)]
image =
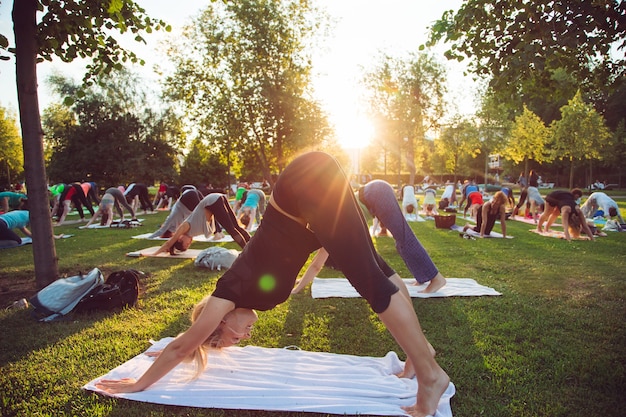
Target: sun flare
[(354, 131)]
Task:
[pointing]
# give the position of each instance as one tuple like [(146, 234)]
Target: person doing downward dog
[(312, 206), (601, 201), (183, 207), (251, 208), (211, 209), (409, 202), (104, 212), (565, 203), (380, 201)]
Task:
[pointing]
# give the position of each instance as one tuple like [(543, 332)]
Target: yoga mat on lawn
[(201, 238), (414, 218), (530, 221), (149, 252), (273, 379), (113, 225), (7, 244), (455, 287), (472, 232), (557, 234)]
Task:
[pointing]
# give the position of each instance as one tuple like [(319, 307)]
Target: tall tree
[(539, 52), (457, 144), (528, 140), (242, 74), (11, 155), (407, 94), (116, 137), (203, 167), (66, 30), (579, 135)]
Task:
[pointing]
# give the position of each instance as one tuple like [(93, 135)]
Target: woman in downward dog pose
[(380, 201), (212, 209), (312, 206)]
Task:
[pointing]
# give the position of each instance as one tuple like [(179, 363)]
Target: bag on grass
[(216, 257), (62, 296), (121, 289)]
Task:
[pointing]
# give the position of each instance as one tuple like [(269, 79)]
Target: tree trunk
[(571, 173), (44, 251)]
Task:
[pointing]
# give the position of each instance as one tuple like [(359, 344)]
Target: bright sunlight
[(354, 131)]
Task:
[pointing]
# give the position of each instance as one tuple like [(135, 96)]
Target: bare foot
[(435, 284), (428, 395)]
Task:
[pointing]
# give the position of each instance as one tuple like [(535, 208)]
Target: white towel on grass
[(472, 232), (455, 287), (256, 378)]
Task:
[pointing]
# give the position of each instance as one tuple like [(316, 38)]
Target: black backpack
[(121, 289)]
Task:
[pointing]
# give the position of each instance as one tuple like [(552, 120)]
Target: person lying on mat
[(488, 213), (213, 208), (378, 199), (312, 206), (565, 203), (10, 200)]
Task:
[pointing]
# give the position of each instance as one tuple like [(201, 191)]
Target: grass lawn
[(554, 344)]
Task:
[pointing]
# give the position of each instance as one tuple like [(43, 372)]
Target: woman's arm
[(26, 231), (316, 266), (485, 213), (252, 219), (503, 220), (586, 227), (181, 230), (174, 353)]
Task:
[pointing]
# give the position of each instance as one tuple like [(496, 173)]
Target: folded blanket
[(149, 252), (255, 378), (200, 238), (455, 287), (472, 232)]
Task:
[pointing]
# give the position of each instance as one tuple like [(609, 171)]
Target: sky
[(363, 29)]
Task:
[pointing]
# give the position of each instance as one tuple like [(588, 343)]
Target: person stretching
[(312, 206), (379, 200), (214, 208)]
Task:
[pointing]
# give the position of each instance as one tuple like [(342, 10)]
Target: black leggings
[(223, 214), (315, 188), (8, 234), (78, 199)]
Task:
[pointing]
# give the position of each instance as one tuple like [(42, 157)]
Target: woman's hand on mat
[(117, 386)]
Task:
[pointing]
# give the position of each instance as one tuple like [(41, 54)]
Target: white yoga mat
[(413, 217), (271, 379), (472, 232), (455, 287), (200, 238), (113, 225)]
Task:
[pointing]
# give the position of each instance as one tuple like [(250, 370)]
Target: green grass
[(554, 344)]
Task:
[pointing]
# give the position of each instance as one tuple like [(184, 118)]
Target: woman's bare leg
[(404, 326)]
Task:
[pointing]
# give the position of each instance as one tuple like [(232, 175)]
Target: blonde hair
[(498, 200), (213, 341)]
